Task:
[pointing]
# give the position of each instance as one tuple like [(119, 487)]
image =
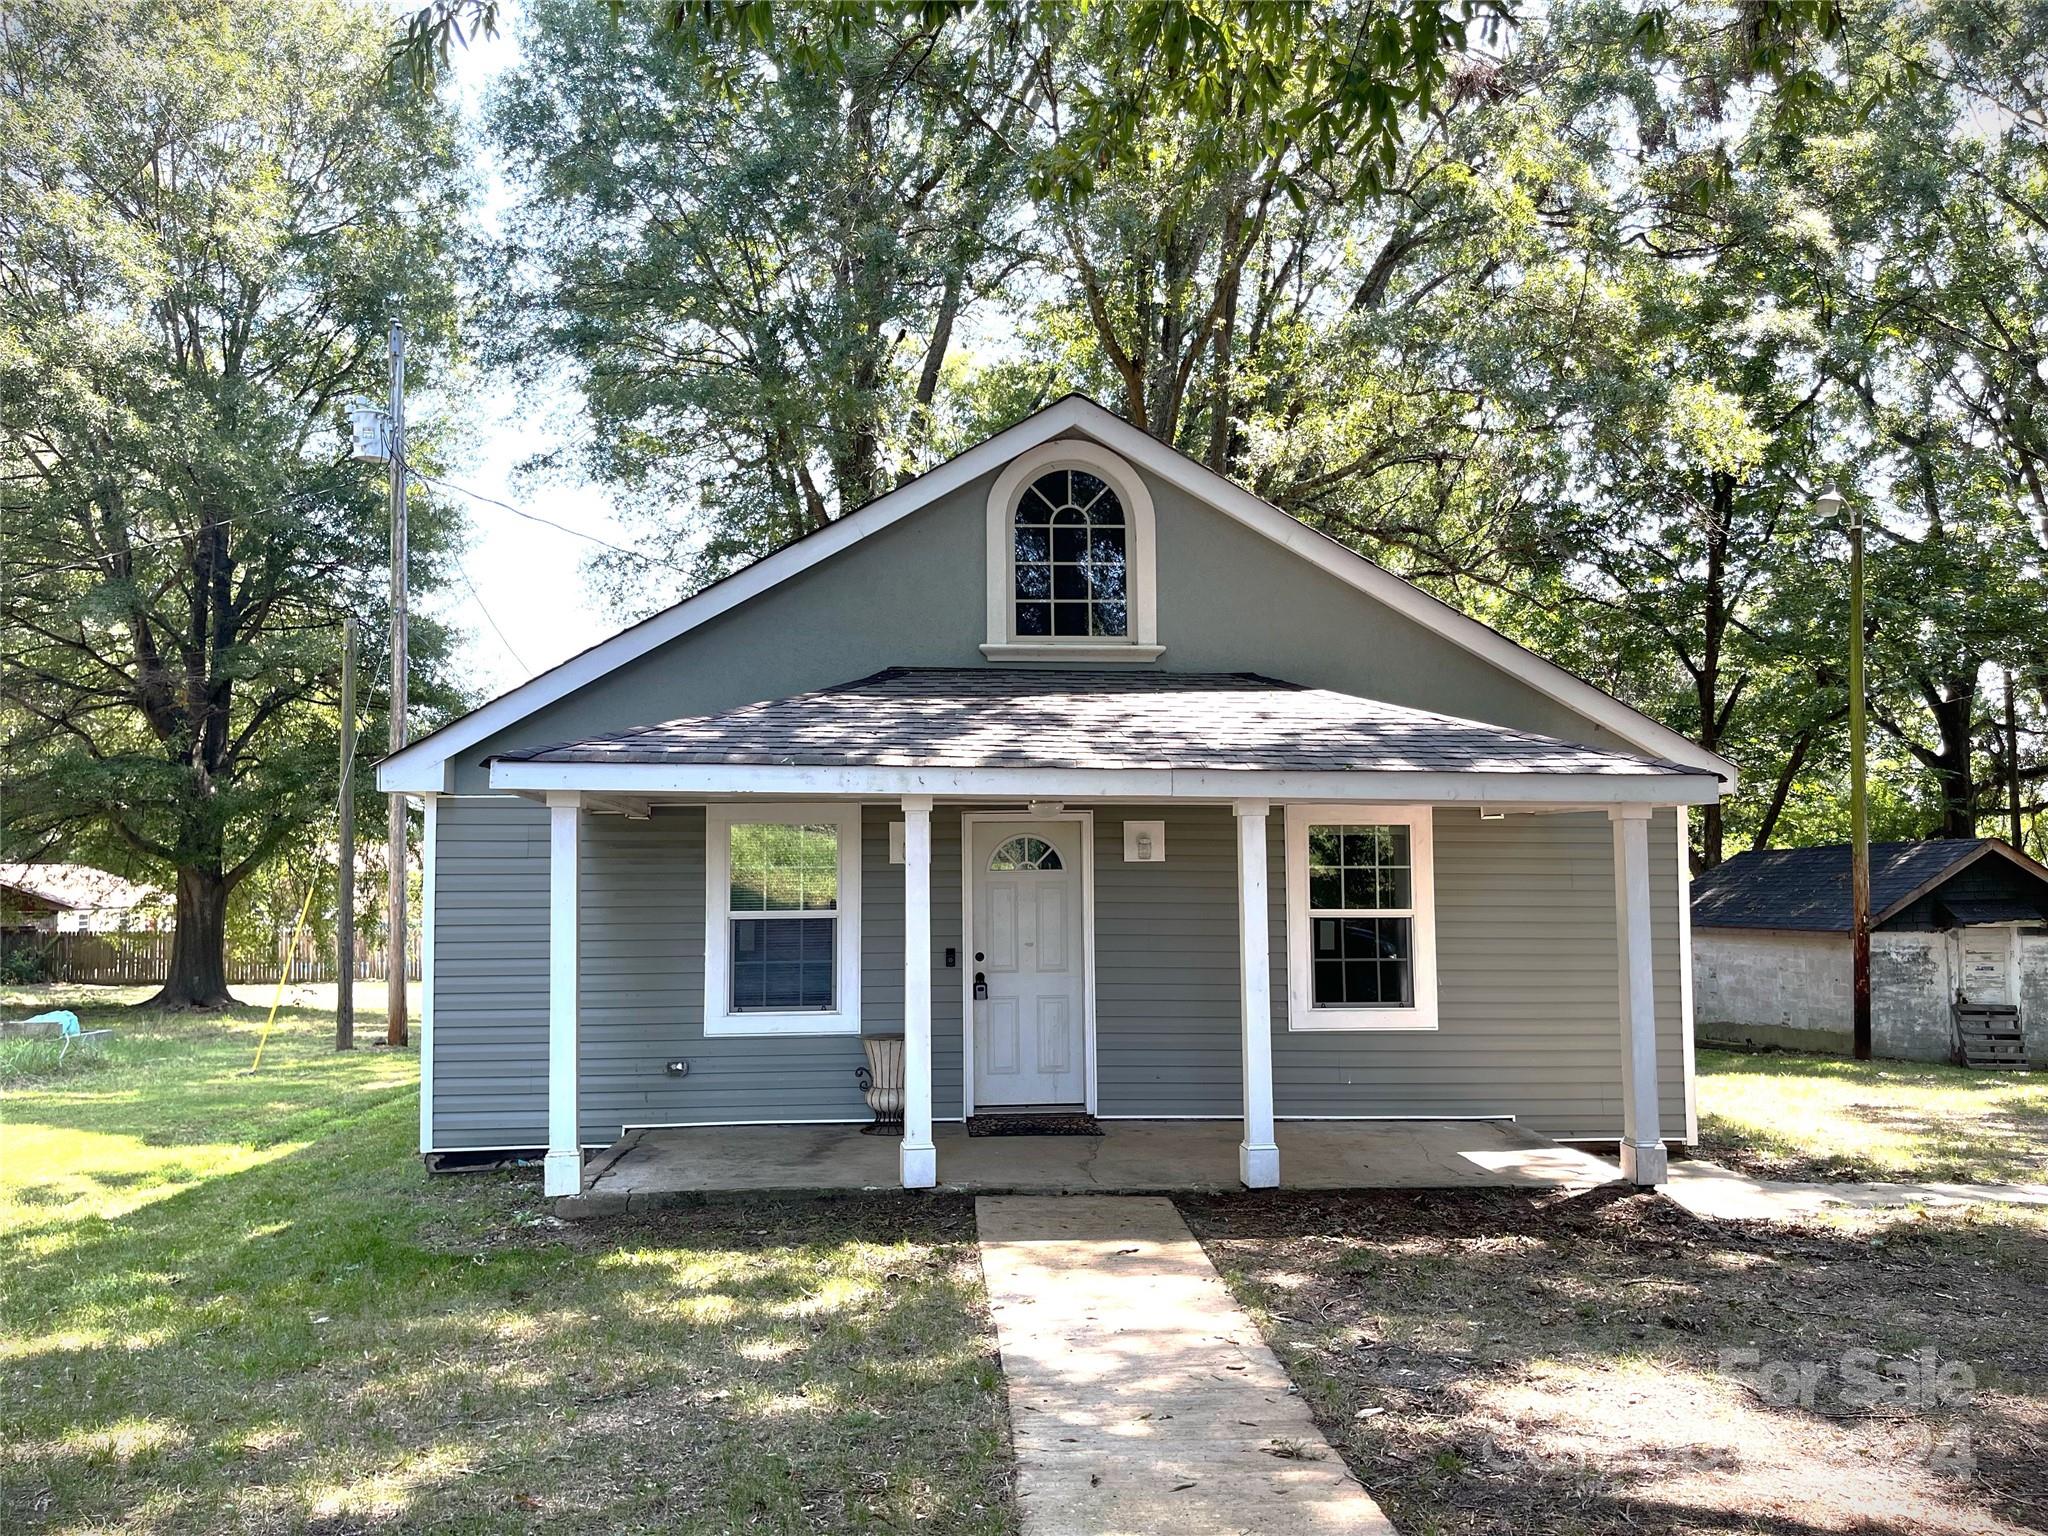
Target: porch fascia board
[(1504, 790)]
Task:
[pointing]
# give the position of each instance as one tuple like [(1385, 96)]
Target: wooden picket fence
[(146, 957)]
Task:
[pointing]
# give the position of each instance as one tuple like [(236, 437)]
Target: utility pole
[(345, 924), (2012, 759), (1859, 800), (395, 1032)]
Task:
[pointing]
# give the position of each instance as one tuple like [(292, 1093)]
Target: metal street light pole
[(395, 1032)]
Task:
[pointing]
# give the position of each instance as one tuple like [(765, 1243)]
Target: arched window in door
[(1025, 853)]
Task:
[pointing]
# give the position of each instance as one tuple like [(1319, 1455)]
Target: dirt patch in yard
[(1499, 1362)]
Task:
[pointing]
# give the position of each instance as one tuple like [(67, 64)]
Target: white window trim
[(1004, 644), (1302, 1014), (719, 1015)]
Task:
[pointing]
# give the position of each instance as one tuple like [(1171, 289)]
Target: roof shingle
[(1807, 889), (988, 717)]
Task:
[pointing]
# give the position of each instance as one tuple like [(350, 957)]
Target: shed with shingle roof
[(1950, 918)]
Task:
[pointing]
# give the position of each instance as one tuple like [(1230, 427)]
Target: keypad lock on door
[(980, 987)]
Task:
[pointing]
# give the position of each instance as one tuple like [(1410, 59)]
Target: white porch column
[(1258, 1155), (920, 1157), (562, 1171), (1642, 1145)]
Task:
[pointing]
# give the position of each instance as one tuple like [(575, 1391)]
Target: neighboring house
[(1001, 762), (76, 898), (1954, 917)]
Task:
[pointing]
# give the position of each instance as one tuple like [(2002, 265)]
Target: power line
[(478, 598), (534, 517), (98, 563)]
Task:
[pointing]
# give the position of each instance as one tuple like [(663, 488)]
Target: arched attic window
[(1070, 558)]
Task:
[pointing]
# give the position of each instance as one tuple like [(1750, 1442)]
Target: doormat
[(1034, 1125)]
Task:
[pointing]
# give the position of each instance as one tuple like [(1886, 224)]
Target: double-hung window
[(782, 931), (1361, 918)]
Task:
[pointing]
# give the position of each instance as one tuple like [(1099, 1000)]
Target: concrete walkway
[(1721, 1194), (1142, 1398)]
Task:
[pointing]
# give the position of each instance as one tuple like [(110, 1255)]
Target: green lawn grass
[(1780, 1115), (236, 1302)]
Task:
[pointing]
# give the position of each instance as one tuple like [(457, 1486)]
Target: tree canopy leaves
[(208, 216), (1569, 319)]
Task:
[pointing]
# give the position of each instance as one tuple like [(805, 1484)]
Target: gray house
[(1952, 918), (1103, 783)]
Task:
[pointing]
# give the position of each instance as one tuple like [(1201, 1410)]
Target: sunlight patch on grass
[(124, 1439), (61, 1175), (271, 1439), (389, 1492), (839, 1294), (239, 1302), (714, 1309), (787, 1404), (1791, 1116)]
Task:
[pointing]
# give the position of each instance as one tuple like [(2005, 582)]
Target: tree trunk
[(199, 953), (1714, 711), (1954, 773)]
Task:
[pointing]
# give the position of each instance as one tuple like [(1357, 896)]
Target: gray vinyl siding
[(1526, 938), (642, 986), (1528, 992), (641, 983), (490, 1026), (1166, 995), (1528, 1000)]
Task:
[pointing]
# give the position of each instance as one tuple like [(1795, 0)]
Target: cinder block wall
[(1911, 991), (2034, 997), (1793, 990)]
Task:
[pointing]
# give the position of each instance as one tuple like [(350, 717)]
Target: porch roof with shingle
[(994, 718)]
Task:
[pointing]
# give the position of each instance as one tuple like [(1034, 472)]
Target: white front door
[(1030, 1029), (1987, 968)]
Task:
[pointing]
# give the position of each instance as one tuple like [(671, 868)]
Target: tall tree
[(1932, 183), (756, 271), (208, 214)]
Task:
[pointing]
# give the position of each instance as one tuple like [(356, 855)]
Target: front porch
[(651, 1169), (1311, 906)]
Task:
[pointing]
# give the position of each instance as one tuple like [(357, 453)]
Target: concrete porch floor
[(650, 1169)]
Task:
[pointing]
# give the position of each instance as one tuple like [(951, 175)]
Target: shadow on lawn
[(1510, 1362), (332, 1341)]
